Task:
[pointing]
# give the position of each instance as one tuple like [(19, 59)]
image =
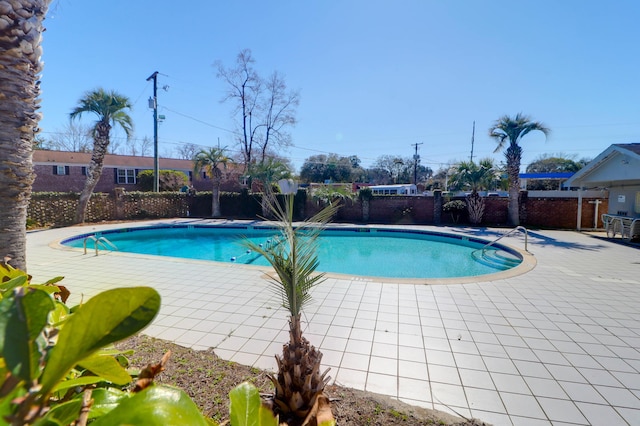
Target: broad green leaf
[(246, 408), (108, 317), (54, 280), (13, 283), (77, 381), (59, 314), (10, 272), (106, 367), (6, 406), (105, 400), (62, 414), (7, 305), (154, 406), (25, 321), (47, 288)]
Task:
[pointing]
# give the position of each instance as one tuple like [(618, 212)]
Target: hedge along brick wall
[(59, 209), (139, 205)]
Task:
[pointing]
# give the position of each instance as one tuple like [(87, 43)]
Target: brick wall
[(58, 209), (54, 208), (544, 212), (383, 209), (561, 213)]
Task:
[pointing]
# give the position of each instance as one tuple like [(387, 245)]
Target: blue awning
[(558, 175)]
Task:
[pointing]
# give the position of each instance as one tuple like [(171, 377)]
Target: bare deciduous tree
[(74, 137), (139, 147), (263, 108), (188, 151)]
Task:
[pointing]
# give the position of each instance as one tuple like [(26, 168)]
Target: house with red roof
[(63, 171)]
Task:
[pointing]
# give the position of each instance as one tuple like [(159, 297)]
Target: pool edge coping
[(528, 263)]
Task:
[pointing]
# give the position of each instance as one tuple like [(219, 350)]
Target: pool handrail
[(517, 228), (97, 241)]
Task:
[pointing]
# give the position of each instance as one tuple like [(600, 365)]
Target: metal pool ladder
[(96, 243), (517, 228), (495, 258)]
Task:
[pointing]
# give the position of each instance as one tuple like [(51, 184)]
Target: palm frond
[(295, 259), (110, 107)]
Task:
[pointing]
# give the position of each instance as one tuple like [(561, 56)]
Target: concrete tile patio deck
[(558, 345)]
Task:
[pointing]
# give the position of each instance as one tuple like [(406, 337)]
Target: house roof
[(633, 147), (41, 157), (619, 164)]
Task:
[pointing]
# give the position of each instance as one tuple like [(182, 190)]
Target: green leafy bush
[(455, 208), (58, 365), (168, 180)]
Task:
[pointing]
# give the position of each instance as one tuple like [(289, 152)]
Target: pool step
[(496, 258)]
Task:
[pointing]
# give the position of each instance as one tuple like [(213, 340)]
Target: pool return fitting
[(268, 245)]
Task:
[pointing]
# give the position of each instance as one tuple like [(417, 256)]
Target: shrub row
[(58, 209)]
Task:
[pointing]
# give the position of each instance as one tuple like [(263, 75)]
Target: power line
[(200, 121)]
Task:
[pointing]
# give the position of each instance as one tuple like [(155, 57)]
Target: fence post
[(523, 196), (119, 202), (579, 218), (437, 206)]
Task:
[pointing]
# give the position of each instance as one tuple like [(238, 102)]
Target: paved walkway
[(558, 345)]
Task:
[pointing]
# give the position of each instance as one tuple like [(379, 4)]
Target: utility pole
[(473, 135), (153, 103), (416, 158)]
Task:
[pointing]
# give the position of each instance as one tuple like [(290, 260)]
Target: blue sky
[(375, 77)]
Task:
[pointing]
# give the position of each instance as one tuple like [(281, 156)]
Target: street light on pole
[(153, 103)]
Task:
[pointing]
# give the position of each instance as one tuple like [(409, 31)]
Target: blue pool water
[(354, 251)]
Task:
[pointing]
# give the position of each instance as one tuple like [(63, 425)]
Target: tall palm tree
[(511, 130), (210, 162), (111, 109), (299, 385), (20, 68), (469, 175)]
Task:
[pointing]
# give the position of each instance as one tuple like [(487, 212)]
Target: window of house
[(126, 176), (84, 170), (60, 170)]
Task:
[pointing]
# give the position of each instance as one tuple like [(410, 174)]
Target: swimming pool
[(363, 251)]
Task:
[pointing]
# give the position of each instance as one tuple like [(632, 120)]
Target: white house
[(617, 169)]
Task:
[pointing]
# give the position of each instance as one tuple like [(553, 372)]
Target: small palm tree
[(512, 130), (299, 385), (210, 162), (475, 177), (111, 109), (333, 193)]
